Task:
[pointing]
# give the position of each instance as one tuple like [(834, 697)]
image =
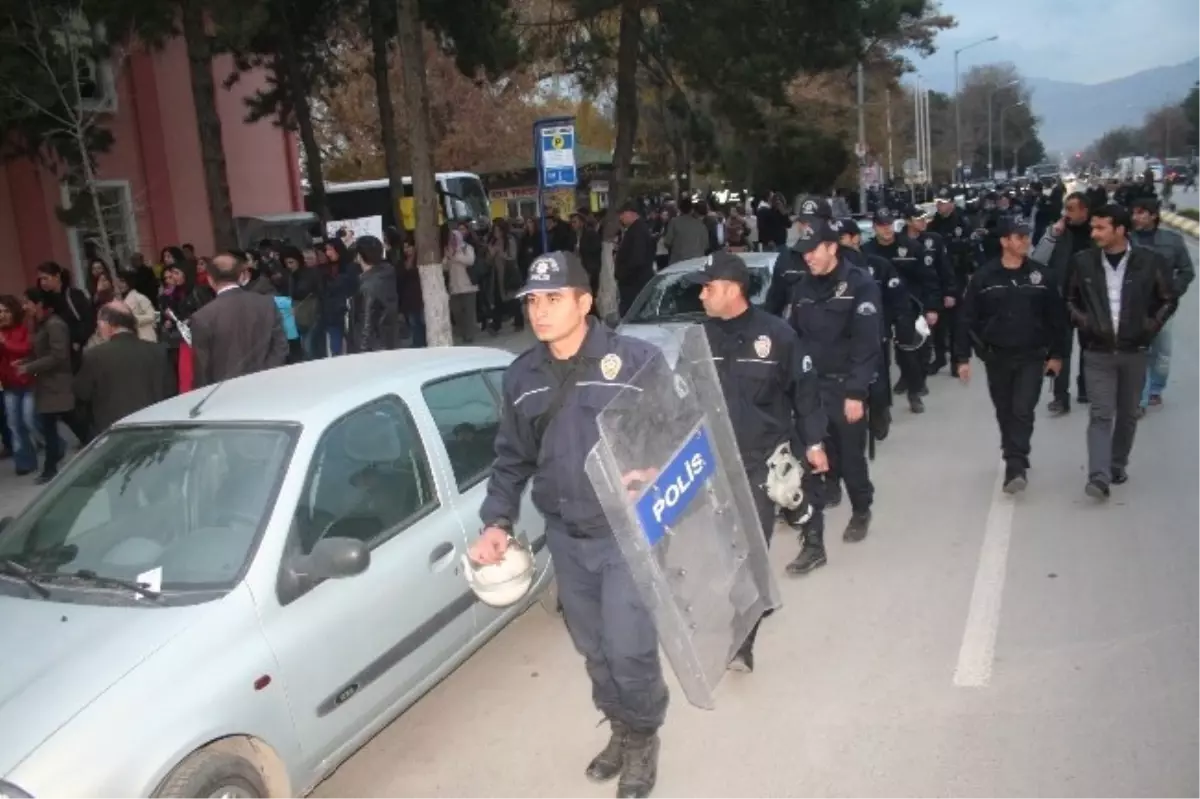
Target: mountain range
[(1073, 115)]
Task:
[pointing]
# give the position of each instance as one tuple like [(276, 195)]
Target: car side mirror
[(330, 558)]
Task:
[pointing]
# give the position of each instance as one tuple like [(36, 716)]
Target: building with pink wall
[(152, 181)]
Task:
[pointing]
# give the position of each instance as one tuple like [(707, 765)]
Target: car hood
[(59, 657), (667, 336)]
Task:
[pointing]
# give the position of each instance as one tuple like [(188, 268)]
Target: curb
[(1180, 223)]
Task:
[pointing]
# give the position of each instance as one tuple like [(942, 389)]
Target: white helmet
[(921, 332), (505, 583), (784, 474)]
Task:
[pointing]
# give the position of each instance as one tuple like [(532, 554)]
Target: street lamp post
[(990, 96), (957, 111), (1004, 111)]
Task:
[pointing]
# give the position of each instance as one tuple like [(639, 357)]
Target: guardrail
[(1180, 223)]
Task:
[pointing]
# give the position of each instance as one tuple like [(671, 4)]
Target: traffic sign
[(557, 150)]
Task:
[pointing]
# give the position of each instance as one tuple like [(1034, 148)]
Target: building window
[(96, 81), (120, 223)]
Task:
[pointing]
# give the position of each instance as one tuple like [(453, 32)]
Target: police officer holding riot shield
[(1014, 317), (771, 391), (551, 394), (835, 310)]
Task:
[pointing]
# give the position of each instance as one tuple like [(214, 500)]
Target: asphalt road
[(973, 645), (1184, 199)]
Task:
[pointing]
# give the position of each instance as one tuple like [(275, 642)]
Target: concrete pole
[(862, 145), (891, 162)]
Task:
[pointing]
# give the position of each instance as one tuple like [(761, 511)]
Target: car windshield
[(669, 298), (174, 507)]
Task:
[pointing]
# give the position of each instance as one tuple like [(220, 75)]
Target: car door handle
[(441, 555)]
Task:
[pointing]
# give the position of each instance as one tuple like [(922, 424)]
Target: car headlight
[(10, 791)]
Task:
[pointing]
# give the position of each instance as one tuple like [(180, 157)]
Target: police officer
[(917, 228), (551, 394), (951, 224), (835, 309), (896, 305), (789, 265), (924, 290), (1014, 316), (770, 388)]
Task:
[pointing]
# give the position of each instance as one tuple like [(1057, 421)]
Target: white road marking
[(978, 650)]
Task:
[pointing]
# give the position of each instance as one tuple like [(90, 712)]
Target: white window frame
[(78, 251)]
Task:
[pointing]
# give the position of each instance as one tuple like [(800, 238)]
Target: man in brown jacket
[(50, 366), (239, 332)]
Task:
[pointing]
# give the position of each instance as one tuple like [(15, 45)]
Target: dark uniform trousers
[(611, 627), (911, 362), (1015, 383), (845, 448)]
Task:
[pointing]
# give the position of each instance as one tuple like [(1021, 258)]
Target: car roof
[(317, 392), (754, 260)]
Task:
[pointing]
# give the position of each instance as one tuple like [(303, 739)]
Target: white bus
[(461, 193)]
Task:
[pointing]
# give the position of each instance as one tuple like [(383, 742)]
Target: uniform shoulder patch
[(894, 282), (762, 346), (610, 366), (841, 289), (901, 251), (866, 309)]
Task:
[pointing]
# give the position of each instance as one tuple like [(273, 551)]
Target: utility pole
[(861, 149)]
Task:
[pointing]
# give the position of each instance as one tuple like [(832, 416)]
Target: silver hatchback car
[(229, 592)]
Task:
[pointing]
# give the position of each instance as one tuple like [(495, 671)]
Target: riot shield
[(669, 477)]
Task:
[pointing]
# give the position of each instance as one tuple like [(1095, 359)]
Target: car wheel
[(208, 773)]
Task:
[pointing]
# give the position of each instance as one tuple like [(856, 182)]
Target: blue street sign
[(677, 485), (557, 161)]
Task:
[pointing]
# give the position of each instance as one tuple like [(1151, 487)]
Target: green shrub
[(1190, 213)]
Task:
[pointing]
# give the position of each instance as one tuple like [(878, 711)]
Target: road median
[(1180, 223)]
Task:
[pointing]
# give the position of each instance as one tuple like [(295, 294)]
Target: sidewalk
[(17, 492)]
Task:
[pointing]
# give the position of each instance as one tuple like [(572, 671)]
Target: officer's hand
[(637, 479), (931, 317), (818, 460), (964, 373), (490, 547), (853, 409), (949, 302), (1054, 366)]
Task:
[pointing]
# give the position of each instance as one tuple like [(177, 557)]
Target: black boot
[(641, 765), (812, 552), (901, 387), (857, 527), (833, 493), (608, 763)]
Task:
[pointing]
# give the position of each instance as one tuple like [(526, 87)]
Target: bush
[(1190, 213)]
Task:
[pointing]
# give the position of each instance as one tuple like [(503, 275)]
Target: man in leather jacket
[(374, 311), (1119, 297)]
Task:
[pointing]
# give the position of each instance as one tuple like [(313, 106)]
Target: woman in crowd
[(341, 283), (139, 304), (408, 285), (15, 346)]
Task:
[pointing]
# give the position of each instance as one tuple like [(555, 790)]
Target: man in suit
[(239, 332), (125, 373)]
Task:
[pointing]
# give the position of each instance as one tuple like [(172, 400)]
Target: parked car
[(229, 592), (666, 305)]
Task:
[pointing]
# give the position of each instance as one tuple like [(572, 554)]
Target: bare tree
[(64, 49)]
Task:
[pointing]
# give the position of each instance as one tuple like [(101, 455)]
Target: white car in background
[(668, 304), (229, 592)]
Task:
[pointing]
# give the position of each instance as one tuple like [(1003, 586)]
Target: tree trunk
[(425, 199), (208, 124), (298, 92), (380, 25), (629, 43)]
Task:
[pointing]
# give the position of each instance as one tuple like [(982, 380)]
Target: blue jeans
[(337, 339), (1158, 365), (416, 325), (22, 422)]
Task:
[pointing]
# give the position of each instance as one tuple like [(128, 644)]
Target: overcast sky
[(1081, 41)]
